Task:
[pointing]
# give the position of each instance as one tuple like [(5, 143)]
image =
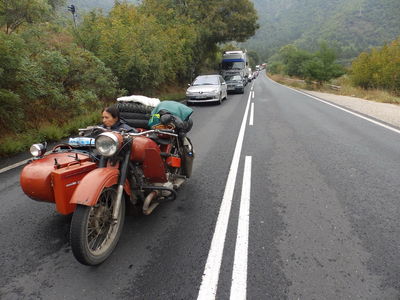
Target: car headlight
[(107, 144), (38, 150), (215, 91)]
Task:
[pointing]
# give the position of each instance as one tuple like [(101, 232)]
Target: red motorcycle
[(99, 183)]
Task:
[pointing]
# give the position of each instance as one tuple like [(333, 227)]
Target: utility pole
[(72, 9)]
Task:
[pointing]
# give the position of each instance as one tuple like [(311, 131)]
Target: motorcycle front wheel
[(93, 234)]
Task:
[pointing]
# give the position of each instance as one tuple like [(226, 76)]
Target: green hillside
[(349, 25)]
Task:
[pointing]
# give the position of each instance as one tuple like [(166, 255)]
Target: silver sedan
[(207, 88)]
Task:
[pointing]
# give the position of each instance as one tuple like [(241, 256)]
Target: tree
[(254, 58), (294, 60), (215, 22), (14, 13), (378, 69), (322, 67)]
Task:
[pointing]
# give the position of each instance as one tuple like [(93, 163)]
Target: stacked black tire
[(135, 114)]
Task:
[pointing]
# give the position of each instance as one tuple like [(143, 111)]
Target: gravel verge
[(388, 113)]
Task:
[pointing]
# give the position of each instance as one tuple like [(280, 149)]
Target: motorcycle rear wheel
[(93, 234)]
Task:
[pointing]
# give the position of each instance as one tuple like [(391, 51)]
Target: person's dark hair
[(113, 111)]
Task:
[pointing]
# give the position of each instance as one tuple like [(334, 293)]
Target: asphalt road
[(317, 190)]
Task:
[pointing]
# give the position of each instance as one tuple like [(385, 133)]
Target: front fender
[(89, 189)]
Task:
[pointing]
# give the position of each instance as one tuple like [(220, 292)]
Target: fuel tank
[(36, 176), (147, 152)]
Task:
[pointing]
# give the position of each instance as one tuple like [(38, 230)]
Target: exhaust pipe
[(148, 207)]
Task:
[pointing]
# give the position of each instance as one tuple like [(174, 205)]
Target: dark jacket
[(121, 126)]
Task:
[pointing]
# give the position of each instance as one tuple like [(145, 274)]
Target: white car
[(207, 88)]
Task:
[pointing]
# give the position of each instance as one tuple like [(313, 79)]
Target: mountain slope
[(351, 25)]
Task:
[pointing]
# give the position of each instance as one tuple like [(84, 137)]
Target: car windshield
[(232, 65), (206, 80), (233, 78)]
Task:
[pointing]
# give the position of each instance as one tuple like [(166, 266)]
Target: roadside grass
[(176, 93), (13, 144), (173, 96), (346, 89)]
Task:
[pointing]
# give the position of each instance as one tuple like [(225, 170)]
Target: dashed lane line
[(251, 120), (209, 283)]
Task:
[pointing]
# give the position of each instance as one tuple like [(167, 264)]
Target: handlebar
[(160, 131), (82, 131), (165, 131)]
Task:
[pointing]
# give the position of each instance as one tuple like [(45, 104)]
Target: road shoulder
[(388, 113)]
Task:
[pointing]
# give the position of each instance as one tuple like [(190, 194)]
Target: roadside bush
[(378, 69), (45, 79), (21, 142), (319, 66), (50, 133)]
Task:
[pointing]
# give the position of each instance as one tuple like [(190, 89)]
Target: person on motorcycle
[(112, 121)]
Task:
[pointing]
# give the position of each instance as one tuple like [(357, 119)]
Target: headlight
[(214, 91), (38, 150), (107, 144)]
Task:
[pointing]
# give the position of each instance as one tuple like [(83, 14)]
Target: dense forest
[(55, 74), (83, 6), (349, 26)]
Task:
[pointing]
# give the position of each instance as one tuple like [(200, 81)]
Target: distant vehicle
[(235, 83), (235, 63), (257, 67), (250, 76), (207, 88)]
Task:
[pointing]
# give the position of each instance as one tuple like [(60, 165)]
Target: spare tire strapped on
[(135, 114), (134, 107), (135, 123), (132, 115)]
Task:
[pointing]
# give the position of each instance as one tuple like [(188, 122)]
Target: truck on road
[(235, 63)]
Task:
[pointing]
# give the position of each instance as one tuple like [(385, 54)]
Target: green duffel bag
[(175, 108)]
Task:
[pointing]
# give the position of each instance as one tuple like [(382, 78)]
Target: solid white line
[(5, 169), (343, 109), (239, 274), (251, 121), (209, 283), (16, 165), (253, 95)]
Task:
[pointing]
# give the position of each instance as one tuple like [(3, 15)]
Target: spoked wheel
[(94, 235)]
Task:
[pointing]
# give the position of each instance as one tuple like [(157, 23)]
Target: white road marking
[(252, 95), (209, 283), (343, 109), (251, 121), (16, 165), (239, 274)]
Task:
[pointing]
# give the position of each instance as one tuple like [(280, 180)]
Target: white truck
[(235, 63)]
